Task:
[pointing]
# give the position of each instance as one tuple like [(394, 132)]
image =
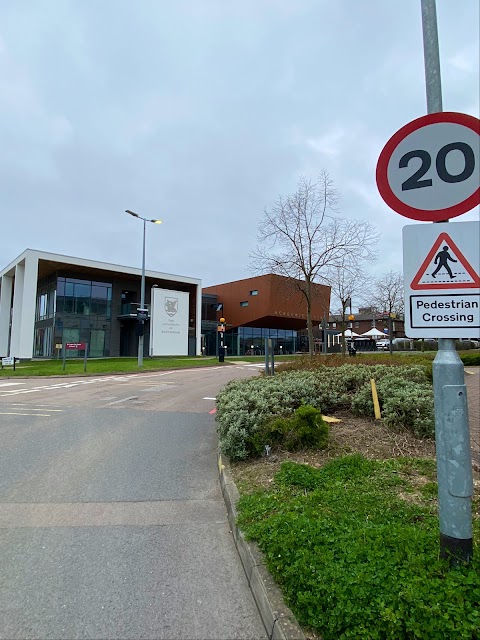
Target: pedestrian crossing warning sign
[(445, 267)]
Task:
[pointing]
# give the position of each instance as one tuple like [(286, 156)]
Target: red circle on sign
[(404, 209)]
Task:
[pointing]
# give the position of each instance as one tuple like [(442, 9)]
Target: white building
[(47, 300)]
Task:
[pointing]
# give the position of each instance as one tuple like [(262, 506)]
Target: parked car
[(383, 345)]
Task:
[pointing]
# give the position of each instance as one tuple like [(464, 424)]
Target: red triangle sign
[(445, 267)]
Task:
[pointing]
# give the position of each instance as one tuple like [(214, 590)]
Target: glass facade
[(242, 341), (251, 340), (73, 310)]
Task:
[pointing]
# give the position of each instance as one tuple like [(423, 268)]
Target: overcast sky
[(201, 112)]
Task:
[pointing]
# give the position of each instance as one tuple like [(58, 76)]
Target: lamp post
[(142, 287)]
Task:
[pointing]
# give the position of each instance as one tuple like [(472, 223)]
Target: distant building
[(255, 309), (48, 299), (367, 318)]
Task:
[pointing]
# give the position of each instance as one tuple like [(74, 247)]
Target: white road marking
[(23, 404), (68, 384), (16, 413), (209, 398), (25, 408), (10, 384)]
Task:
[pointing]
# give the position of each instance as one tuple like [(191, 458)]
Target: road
[(112, 524)]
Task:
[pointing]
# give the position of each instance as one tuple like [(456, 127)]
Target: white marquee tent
[(351, 334), (373, 333)]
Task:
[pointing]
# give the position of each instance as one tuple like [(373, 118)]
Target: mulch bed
[(352, 435)]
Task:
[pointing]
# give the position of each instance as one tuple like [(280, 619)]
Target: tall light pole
[(142, 287)]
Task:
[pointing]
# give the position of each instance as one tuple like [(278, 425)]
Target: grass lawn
[(102, 366), (353, 545), (74, 366)]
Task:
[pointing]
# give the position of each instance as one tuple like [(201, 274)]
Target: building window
[(254, 292), (357, 324), (244, 304), (83, 314), (334, 325)]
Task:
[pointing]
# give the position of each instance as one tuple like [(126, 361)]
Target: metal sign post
[(221, 348), (324, 334), (8, 361), (75, 346), (269, 357), (429, 171), (442, 300), (455, 482)]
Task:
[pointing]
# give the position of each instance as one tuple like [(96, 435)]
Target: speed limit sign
[(429, 169)]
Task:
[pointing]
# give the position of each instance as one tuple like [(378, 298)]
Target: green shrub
[(318, 361), (304, 430), (425, 345), (404, 403), (410, 406), (243, 406), (471, 359)]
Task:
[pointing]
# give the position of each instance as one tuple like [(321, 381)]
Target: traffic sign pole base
[(456, 550)]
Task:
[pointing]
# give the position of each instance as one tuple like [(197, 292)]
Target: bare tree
[(386, 296), (346, 281), (386, 293), (302, 237)]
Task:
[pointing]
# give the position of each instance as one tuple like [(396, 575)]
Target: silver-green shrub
[(405, 401), (243, 405)]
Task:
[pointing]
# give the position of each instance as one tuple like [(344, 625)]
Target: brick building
[(268, 306), (367, 318)]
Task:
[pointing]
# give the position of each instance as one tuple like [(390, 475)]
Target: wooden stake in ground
[(376, 404)]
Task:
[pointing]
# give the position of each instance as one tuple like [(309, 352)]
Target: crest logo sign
[(171, 306)]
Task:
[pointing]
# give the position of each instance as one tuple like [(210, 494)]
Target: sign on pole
[(441, 264), (429, 169), (75, 346), (9, 361)]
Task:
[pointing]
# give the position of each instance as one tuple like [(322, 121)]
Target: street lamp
[(142, 288)]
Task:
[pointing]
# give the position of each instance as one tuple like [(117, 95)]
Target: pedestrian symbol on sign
[(445, 267), (442, 259)]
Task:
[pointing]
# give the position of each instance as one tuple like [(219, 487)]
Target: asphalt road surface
[(112, 523)]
